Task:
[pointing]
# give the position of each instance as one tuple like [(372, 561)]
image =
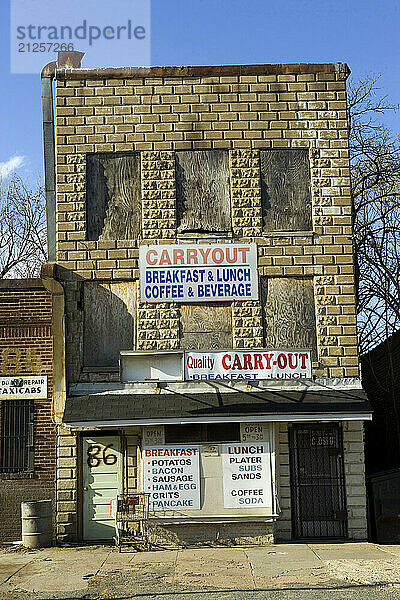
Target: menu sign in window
[(246, 473), (198, 272), (172, 477)]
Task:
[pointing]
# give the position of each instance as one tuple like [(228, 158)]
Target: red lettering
[(247, 362), (217, 255), (291, 362), (179, 256), (230, 259), (149, 260), (268, 358), (192, 256), (282, 361), (204, 254), (303, 356), (165, 258), (244, 252), (225, 358), (236, 363), (258, 361)]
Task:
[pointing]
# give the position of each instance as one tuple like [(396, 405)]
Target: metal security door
[(102, 477), (317, 480)]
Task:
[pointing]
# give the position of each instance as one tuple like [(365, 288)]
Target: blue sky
[(363, 33)]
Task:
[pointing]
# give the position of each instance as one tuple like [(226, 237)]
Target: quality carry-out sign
[(238, 364), (198, 272)]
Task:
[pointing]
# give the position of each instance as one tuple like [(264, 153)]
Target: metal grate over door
[(317, 476)]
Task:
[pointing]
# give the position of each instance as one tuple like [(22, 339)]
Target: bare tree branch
[(22, 230), (375, 182)]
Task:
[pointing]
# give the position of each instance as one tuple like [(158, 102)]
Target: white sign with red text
[(242, 364), (198, 272), (172, 477), (246, 475)]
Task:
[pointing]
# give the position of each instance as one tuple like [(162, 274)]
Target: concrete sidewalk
[(102, 572)]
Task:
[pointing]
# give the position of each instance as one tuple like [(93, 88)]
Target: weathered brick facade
[(26, 348), (159, 112)]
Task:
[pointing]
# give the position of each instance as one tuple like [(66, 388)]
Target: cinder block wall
[(243, 111), (26, 348)]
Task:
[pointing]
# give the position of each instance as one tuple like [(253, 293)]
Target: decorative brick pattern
[(159, 197), (247, 324), (246, 193), (158, 326)]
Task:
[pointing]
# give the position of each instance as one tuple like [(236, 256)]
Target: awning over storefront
[(107, 410)]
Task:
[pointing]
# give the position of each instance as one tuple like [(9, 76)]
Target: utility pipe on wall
[(67, 60)]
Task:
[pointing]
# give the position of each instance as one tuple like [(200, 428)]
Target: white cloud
[(13, 163)]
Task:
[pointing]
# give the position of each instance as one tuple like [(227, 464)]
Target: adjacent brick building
[(199, 156), (28, 434)]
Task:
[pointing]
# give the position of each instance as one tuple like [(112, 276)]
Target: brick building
[(28, 433), (212, 163)]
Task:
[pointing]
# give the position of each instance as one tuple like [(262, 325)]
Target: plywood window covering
[(286, 189), (206, 327), (289, 313), (113, 196), (109, 322), (202, 189)]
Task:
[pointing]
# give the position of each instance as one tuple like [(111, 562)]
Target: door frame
[(341, 480), (98, 433)]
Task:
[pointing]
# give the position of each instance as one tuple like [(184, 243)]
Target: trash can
[(36, 523)]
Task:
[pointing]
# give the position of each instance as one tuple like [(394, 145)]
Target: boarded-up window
[(206, 327), (202, 188), (109, 321), (285, 186), (113, 196), (289, 313)]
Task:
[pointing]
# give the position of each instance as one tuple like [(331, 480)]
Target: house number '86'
[(94, 459)]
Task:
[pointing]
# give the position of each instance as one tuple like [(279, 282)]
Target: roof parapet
[(202, 71)]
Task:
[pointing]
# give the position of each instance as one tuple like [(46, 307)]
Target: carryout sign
[(198, 272), (261, 364)]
